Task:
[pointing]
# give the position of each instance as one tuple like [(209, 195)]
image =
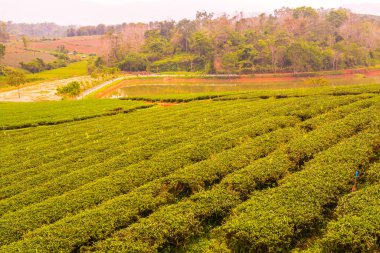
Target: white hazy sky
[(91, 12)]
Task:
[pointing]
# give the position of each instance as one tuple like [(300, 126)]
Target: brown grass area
[(37, 48), (15, 53), (84, 44)]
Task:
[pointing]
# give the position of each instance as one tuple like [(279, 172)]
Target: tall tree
[(2, 51), (25, 41), (200, 44), (4, 35), (184, 29), (337, 17), (16, 78)]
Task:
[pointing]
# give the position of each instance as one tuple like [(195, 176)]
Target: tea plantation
[(260, 171)]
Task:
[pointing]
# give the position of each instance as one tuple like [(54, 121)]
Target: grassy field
[(260, 171), (72, 70)]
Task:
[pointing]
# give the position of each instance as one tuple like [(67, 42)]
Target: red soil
[(167, 104), (373, 73)]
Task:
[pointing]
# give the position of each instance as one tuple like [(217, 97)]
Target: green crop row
[(52, 159), (71, 181), (175, 122), (155, 179), (103, 127), (10, 178), (48, 164), (37, 132), (171, 225), (109, 148), (299, 151), (373, 174), (263, 94), (340, 112), (357, 228), (106, 184), (66, 136), (123, 210), (321, 91), (124, 180), (178, 98), (273, 220), (357, 231), (91, 129), (21, 115)]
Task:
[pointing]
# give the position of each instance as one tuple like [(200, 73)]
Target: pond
[(143, 87)]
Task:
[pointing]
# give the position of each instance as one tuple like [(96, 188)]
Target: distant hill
[(40, 29), (372, 17), (364, 8)]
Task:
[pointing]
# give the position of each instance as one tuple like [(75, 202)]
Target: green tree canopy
[(2, 50), (337, 17), (305, 56), (133, 62), (16, 78), (155, 43), (200, 44)]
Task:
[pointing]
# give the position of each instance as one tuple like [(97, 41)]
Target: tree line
[(40, 29), (100, 29), (289, 40)]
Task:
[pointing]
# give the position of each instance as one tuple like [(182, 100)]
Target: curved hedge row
[(373, 174), (124, 180), (170, 226), (12, 177), (123, 210), (162, 177), (140, 147), (105, 188), (67, 142), (22, 115), (274, 219), (141, 153), (357, 228)]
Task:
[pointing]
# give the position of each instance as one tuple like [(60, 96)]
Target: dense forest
[(290, 40)]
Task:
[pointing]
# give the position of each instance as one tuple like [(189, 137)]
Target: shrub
[(317, 81), (71, 89)]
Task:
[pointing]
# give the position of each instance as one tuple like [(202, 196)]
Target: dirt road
[(93, 89)]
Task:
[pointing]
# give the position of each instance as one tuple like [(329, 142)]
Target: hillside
[(259, 171)]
